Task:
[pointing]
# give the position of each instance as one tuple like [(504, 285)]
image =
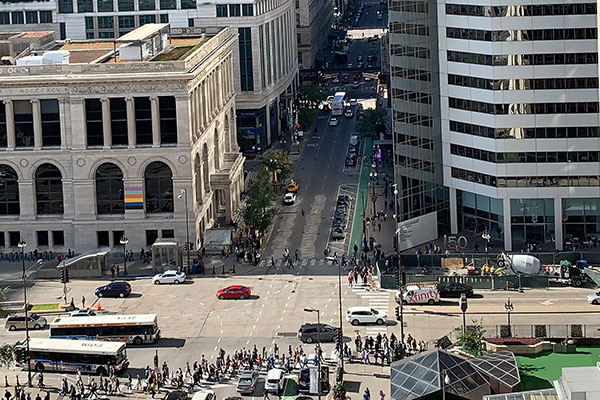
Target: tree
[(311, 95), (259, 210), (339, 391), (397, 354), (244, 141), (278, 160), (306, 117), (8, 353), (373, 123), (471, 341)]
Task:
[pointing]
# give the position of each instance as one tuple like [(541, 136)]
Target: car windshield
[(34, 316), (374, 311), (305, 374)]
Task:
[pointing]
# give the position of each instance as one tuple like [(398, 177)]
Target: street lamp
[(509, 307), (124, 242), (183, 193), (486, 236), (310, 309), (373, 176), (445, 382), (22, 245)]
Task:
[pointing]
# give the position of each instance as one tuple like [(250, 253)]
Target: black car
[(343, 199), (176, 395), (455, 290), (303, 384), (308, 333), (350, 162), (114, 289)]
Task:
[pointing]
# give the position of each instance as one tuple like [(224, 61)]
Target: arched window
[(109, 190), (159, 188), (9, 191), (48, 190), (205, 176)]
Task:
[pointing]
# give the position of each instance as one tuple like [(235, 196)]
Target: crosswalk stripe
[(304, 262), (278, 263), (313, 261)]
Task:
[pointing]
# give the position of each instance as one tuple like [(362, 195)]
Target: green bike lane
[(361, 196)]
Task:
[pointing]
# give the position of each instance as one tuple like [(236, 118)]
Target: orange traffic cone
[(99, 307)]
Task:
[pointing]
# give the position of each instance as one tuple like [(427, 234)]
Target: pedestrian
[(297, 255), (367, 394), (350, 278), (303, 212), (83, 302), (381, 395)]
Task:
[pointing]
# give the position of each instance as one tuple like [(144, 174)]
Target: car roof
[(235, 287), (171, 271), (359, 308)]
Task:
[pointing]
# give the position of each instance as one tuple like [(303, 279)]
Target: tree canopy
[(311, 96), (278, 160), (259, 211), (373, 123), (471, 341)]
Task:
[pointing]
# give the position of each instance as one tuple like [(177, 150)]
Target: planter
[(564, 348)]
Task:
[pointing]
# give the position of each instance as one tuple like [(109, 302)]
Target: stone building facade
[(97, 148)]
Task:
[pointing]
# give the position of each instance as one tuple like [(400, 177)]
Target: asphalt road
[(368, 18)]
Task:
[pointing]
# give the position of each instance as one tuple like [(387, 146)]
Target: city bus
[(73, 355), (337, 104), (136, 329)]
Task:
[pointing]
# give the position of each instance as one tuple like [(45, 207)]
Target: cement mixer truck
[(524, 264)]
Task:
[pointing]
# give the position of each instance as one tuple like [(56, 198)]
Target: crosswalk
[(281, 264), (377, 299)]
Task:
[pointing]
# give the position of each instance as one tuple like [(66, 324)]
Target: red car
[(234, 292)]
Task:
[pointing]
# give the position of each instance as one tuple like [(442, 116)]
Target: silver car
[(15, 322), (247, 382)]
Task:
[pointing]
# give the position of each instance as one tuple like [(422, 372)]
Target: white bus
[(73, 355), (136, 329), (337, 104)]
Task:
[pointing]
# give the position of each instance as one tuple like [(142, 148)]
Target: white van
[(415, 294), (204, 395), (274, 381)]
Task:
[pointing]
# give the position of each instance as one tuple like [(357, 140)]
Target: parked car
[(365, 315), (35, 321), (170, 276), (308, 333), (333, 121), (455, 289), (234, 292), (303, 384), (82, 313), (338, 233), (293, 187), (289, 198), (354, 140), (114, 289), (247, 382), (350, 161), (343, 198), (593, 298)]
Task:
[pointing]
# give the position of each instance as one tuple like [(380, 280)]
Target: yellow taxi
[(293, 187)]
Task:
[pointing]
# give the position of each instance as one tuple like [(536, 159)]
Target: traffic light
[(397, 312), (340, 339), (395, 242), (63, 276), (66, 274)]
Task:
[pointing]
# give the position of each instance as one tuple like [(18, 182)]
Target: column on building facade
[(453, 211), (130, 121), (182, 110), (558, 224), (228, 203), (155, 121), (10, 124), (193, 113), (203, 104), (220, 86), (37, 123), (26, 199), (64, 113), (507, 224), (106, 125), (268, 123), (78, 127)]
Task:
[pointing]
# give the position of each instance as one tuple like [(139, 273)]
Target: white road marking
[(219, 341)]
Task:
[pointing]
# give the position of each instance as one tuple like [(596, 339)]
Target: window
[(221, 10), (125, 5), (45, 17), (151, 236), (17, 17), (89, 23), (3, 134), (190, 22), (167, 4), (58, 238), (146, 5), (85, 6), (63, 30), (188, 4), (65, 6), (2, 240), (14, 237), (118, 120), (234, 10), (109, 190), (164, 18), (247, 10), (143, 120), (158, 188), (168, 233), (42, 238), (147, 19), (246, 78), (31, 17), (9, 191), (50, 122), (126, 24), (4, 18), (168, 119), (106, 27), (105, 5), (48, 190), (117, 235), (103, 240), (23, 123), (93, 118)]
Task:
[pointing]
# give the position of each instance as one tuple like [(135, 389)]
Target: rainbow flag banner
[(134, 198)]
